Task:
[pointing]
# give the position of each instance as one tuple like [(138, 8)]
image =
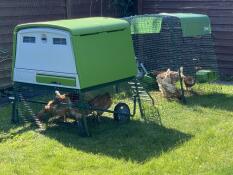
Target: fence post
[(140, 7), (68, 9)]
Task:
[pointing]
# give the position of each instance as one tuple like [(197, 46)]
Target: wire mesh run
[(39, 104), (5, 69), (164, 46)]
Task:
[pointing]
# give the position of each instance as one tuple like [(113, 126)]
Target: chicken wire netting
[(5, 69), (159, 45), (31, 102)]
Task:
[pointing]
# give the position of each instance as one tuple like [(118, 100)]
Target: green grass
[(196, 138)]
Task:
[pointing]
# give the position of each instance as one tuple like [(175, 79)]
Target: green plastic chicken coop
[(79, 57), (76, 53)]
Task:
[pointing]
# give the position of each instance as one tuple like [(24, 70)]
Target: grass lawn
[(196, 138)]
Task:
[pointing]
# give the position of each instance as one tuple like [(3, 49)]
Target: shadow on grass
[(11, 134), (137, 141), (9, 130), (213, 100)]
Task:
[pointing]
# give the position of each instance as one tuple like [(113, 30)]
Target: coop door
[(46, 50)]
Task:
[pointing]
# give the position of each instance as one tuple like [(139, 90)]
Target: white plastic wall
[(43, 56)]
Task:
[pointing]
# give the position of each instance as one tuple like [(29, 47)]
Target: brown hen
[(189, 82)]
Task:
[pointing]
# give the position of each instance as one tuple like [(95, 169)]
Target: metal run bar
[(183, 99), (80, 107)]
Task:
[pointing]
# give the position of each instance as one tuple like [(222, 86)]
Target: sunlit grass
[(195, 138)]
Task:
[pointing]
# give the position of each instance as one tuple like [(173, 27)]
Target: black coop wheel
[(121, 112)]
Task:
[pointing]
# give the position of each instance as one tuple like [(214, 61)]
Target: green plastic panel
[(104, 57), (146, 25), (204, 76), (64, 81), (193, 24)]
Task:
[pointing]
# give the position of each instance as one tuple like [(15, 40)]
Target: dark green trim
[(46, 87), (70, 89), (106, 84)]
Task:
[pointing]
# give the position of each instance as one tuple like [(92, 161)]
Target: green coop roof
[(192, 24), (80, 26)]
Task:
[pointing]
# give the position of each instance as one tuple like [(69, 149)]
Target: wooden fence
[(13, 12)]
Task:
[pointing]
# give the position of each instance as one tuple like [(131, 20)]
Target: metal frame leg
[(84, 120), (14, 113), (134, 105), (141, 108)]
